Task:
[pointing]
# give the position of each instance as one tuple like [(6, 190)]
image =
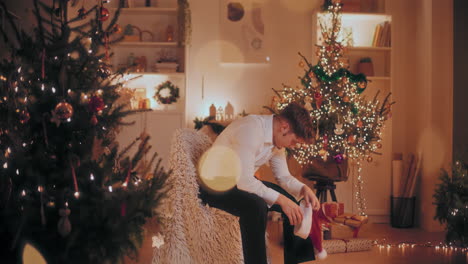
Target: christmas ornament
[(325, 141), (339, 129), (24, 116), (379, 145), (308, 103), (104, 14), (123, 209), (82, 13), (346, 99), (117, 29), (351, 139), (360, 140), (324, 154), (338, 158), (104, 71), (63, 111), (359, 123), (318, 99), (64, 225), (362, 84), (95, 104), (369, 159), (75, 55), (94, 120)]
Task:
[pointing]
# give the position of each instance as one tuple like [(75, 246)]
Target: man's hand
[(310, 198), (291, 209)]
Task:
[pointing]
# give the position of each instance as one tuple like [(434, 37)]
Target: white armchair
[(194, 232)]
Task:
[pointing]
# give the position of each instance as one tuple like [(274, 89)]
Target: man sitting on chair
[(257, 139)]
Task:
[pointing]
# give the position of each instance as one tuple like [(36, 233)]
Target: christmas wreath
[(167, 93)]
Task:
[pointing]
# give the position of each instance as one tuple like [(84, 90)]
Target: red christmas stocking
[(315, 235)]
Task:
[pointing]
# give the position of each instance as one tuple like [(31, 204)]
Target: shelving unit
[(378, 173), (163, 120)]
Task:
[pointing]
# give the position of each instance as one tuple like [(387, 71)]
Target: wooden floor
[(416, 255)]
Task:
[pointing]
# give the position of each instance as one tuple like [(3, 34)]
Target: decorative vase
[(366, 68)]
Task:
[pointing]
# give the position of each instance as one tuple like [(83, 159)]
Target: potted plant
[(365, 66)]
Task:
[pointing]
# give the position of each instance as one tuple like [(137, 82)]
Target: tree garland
[(167, 93)]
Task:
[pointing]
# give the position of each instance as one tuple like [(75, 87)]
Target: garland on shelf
[(167, 93)]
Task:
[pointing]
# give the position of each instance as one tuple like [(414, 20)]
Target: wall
[(245, 86), (460, 78), (423, 89)]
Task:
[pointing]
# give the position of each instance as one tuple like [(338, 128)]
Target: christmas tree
[(65, 185), (451, 200), (347, 124)]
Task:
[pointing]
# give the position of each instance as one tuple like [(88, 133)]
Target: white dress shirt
[(251, 137)]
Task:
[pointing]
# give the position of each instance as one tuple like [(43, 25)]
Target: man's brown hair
[(299, 120)]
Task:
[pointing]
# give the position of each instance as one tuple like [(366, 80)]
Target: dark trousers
[(252, 212)]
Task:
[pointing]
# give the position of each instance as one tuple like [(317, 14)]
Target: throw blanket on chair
[(194, 232)]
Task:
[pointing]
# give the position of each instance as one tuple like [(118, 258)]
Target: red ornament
[(104, 14), (95, 104), (94, 120), (82, 13), (318, 99), (24, 116), (117, 29)]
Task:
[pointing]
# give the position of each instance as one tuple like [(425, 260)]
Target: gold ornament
[(63, 111), (362, 84), (369, 159), (322, 152)]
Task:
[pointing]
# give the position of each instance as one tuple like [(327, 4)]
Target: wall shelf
[(164, 74), (364, 48), (146, 10), (144, 44), (378, 78)]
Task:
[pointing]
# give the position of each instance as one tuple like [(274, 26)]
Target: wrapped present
[(347, 245), (333, 209), (341, 231), (352, 220)]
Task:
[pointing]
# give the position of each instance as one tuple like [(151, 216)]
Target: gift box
[(351, 220), (340, 231), (333, 209), (347, 245)]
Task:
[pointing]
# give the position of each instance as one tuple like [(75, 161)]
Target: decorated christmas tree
[(65, 186), (347, 124), (451, 200)]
